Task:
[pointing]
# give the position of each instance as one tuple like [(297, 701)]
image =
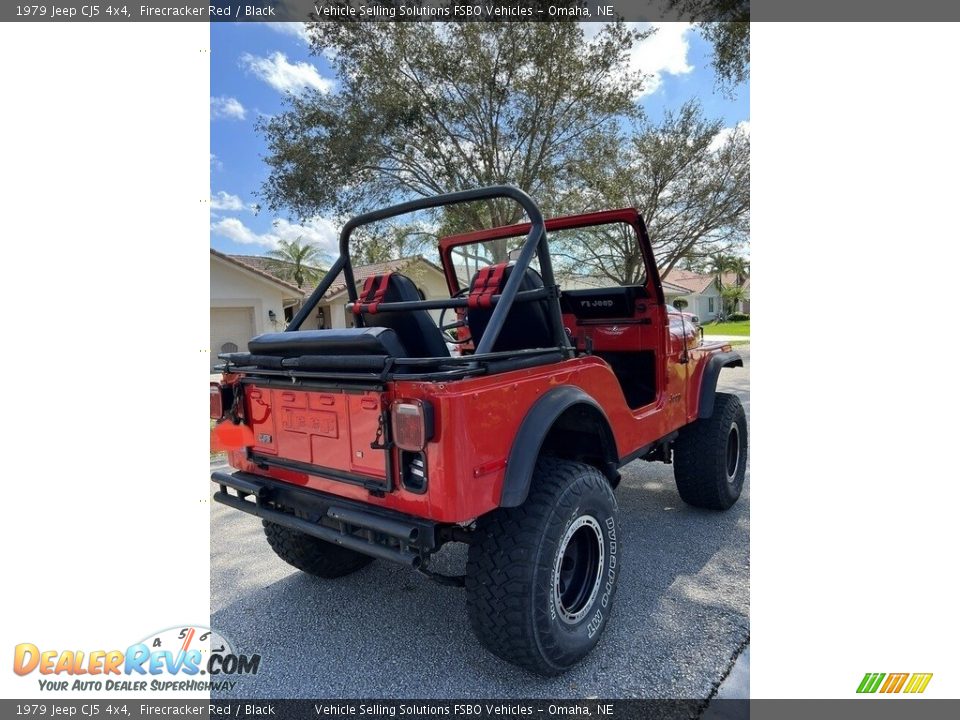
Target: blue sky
[(254, 65)]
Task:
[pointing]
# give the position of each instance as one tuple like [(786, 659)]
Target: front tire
[(541, 577), (710, 456), (313, 555)]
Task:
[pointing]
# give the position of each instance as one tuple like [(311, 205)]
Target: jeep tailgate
[(317, 430)]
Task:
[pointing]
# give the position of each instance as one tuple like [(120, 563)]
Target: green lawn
[(728, 328)]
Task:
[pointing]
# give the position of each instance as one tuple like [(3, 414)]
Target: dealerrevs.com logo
[(185, 658), (910, 683)]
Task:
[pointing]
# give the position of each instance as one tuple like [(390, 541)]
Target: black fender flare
[(708, 380), (528, 441)]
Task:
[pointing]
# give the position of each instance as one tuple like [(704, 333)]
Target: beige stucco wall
[(231, 286)]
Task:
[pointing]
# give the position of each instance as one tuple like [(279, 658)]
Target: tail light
[(412, 424), (216, 401)]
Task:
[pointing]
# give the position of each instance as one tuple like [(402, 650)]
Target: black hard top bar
[(536, 241), (522, 296)]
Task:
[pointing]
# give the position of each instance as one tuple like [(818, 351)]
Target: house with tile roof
[(332, 311), (276, 267), (245, 301), (701, 292)]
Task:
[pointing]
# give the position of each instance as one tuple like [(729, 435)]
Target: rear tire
[(541, 577), (312, 555), (710, 456)]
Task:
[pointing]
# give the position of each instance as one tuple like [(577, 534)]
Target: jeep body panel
[(473, 439), (535, 429), (709, 367)]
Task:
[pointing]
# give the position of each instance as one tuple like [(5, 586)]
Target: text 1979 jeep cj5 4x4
[(376, 442)]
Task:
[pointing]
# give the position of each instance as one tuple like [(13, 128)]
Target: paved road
[(680, 618)]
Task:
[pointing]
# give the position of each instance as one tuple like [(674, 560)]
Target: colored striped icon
[(918, 683), (894, 682), (870, 683)]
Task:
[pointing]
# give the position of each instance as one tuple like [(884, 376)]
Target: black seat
[(343, 349), (416, 329), (527, 325), (340, 341)]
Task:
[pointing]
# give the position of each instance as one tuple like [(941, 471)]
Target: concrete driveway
[(681, 614)]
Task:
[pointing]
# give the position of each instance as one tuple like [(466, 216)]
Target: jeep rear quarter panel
[(476, 421)]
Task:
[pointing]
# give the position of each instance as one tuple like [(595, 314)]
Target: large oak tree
[(427, 108), (689, 178)]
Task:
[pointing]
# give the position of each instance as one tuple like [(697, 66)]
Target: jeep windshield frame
[(535, 243), (627, 216)]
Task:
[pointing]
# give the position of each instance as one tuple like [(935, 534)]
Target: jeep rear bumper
[(374, 531)]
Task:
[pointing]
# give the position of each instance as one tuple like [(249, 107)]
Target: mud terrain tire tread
[(511, 550), (313, 555), (699, 457)]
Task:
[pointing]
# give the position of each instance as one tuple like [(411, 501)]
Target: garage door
[(230, 330)]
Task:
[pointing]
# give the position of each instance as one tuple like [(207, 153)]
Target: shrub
[(737, 317)]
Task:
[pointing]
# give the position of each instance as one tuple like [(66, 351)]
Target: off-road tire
[(518, 605), (707, 475), (312, 555)]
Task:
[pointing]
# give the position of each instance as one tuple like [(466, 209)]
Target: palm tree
[(732, 296), (296, 261), (740, 267), (718, 263)]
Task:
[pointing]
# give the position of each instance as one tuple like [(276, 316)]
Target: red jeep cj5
[(377, 442)]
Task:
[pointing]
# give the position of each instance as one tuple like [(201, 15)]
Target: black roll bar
[(317, 295), (536, 241), (460, 302)]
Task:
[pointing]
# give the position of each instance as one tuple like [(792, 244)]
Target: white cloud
[(227, 107), (721, 137), (283, 75), (321, 232), (294, 29), (225, 201), (663, 53), (215, 162), (235, 230)]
